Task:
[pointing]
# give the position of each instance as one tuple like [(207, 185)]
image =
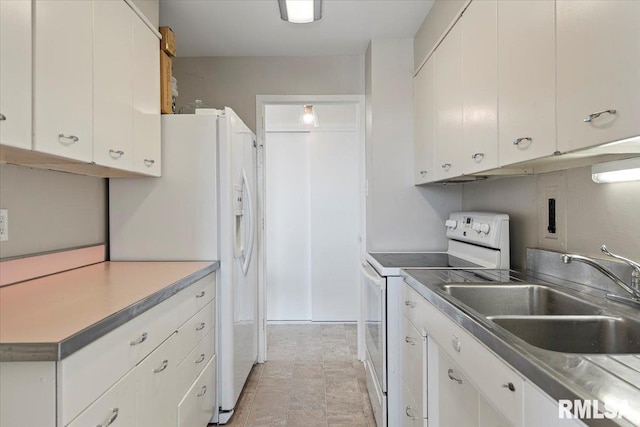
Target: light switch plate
[(4, 225)]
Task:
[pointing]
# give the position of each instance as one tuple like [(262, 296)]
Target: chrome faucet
[(634, 289)]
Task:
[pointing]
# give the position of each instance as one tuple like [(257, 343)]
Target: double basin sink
[(549, 318)]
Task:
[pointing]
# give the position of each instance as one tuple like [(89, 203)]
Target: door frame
[(261, 102)]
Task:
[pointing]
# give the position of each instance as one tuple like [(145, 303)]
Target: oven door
[(375, 322)]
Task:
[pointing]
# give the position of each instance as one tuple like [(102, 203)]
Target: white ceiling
[(254, 27)]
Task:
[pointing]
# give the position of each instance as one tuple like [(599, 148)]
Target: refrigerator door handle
[(249, 249)]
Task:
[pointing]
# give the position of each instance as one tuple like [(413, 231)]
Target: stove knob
[(484, 228), (476, 227), (450, 223)]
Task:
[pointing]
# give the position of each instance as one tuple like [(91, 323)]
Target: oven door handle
[(371, 274)]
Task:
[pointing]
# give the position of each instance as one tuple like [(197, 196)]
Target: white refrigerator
[(203, 207)]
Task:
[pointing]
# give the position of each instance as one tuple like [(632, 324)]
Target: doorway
[(312, 208)]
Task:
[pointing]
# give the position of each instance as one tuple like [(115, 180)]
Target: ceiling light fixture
[(308, 116), (300, 11), (618, 171)]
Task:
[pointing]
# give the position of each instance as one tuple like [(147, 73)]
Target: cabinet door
[(424, 119), (526, 65), (541, 409), (457, 398), (146, 100), (480, 86), (63, 78), (15, 73), (598, 58), (198, 404), (448, 106), (112, 84), (414, 365)]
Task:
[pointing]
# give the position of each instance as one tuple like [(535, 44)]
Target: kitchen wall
[(400, 216), (235, 81), (51, 210)]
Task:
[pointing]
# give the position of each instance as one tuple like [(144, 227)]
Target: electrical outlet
[(552, 211), (4, 225)]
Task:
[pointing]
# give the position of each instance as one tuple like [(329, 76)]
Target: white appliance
[(477, 240), (202, 208)]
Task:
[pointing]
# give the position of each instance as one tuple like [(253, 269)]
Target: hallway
[(312, 378)]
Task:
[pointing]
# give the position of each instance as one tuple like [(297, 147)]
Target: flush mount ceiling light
[(300, 11), (308, 116), (618, 171)]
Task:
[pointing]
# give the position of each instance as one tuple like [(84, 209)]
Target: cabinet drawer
[(87, 373), (196, 360), (414, 365), (490, 375), (194, 330), (197, 406), (117, 405), (411, 414), (196, 297), (413, 307)]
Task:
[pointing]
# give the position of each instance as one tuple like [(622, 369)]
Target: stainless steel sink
[(576, 334), (518, 299)]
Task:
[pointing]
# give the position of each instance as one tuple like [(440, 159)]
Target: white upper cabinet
[(113, 84), (480, 86), (63, 78), (598, 61), (146, 100), (448, 106), (15, 73), (424, 121), (526, 66)]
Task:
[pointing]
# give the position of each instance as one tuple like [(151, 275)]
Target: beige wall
[(595, 213), (442, 13), (50, 210), (235, 81), (400, 216)]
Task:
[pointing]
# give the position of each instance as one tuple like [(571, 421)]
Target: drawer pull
[(409, 340), (201, 359), (409, 412), (455, 342), (116, 153), (592, 116), (446, 167), (2, 117), (112, 418), (452, 378), (200, 295), (140, 340), (410, 304), (519, 140), (149, 162), (200, 326), (478, 157), (423, 173), (202, 393), (71, 139), (165, 363), (510, 386)]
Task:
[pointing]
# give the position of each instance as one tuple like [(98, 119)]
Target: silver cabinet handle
[(112, 418), (140, 340), (510, 386), (409, 340), (455, 342), (201, 359), (423, 173), (592, 116), (202, 393), (164, 365), (517, 142), (118, 153), (408, 411), (72, 139), (200, 295), (149, 162), (200, 326), (478, 157), (2, 117), (410, 304), (452, 378), (446, 166)]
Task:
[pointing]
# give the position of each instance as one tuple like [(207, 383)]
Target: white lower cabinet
[(197, 406), (414, 370), (457, 399)]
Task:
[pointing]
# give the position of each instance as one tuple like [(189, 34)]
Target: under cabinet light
[(618, 171), (300, 11)]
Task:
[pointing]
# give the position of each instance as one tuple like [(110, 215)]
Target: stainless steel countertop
[(39, 324), (561, 375)]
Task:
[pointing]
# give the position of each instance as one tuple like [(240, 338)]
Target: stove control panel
[(481, 228)]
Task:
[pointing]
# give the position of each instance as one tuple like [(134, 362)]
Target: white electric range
[(477, 240)]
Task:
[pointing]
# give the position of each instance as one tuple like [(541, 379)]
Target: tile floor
[(312, 378)]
